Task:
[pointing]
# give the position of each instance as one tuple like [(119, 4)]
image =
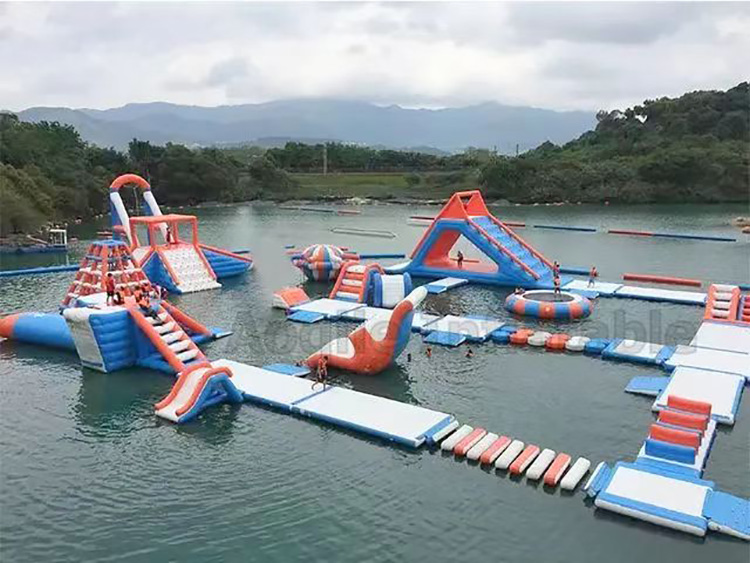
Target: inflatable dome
[(321, 262), (545, 304)]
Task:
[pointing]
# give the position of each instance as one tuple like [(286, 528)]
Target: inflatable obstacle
[(507, 258), (514, 456), (197, 388), (321, 262), (182, 265), (289, 297), (669, 280), (108, 338), (544, 304), (375, 344)]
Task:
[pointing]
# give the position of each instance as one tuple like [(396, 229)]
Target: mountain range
[(486, 125)]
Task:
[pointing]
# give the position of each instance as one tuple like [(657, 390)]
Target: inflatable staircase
[(723, 303), (512, 261), (353, 281), (172, 343), (197, 388), (102, 258)]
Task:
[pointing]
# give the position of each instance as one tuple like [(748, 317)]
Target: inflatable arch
[(120, 218)]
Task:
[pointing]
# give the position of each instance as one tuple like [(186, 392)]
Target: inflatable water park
[(117, 314)]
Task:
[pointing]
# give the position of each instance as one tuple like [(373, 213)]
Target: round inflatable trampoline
[(545, 304)]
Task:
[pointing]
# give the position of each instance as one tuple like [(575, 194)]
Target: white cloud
[(556, 55)]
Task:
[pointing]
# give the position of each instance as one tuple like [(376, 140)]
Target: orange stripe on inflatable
[(181, 379), (463, 446), (674, 436), (199, 388), (556, 470), (689, 405), (523, 460), (662, 279), (125, 179), (497, 447), (547, 310), (698, 422)]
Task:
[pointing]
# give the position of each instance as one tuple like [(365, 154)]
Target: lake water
[(88, 473)]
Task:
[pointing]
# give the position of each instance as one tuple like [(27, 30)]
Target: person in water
[(469, 353), (428, 352)]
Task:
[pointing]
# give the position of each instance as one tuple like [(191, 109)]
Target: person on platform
[(109, 287), (556, 282), (460, 259), (593, 274)]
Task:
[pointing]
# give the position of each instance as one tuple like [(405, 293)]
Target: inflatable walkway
[(375, 344), (509, 260), (368, 283)]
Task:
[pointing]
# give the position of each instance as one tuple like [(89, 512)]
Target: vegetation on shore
[(692, 148)]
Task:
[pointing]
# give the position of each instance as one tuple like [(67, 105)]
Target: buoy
[(524, 460), (541, 463), (538, 338), (510, 453), (493, 452), (481, 446), (556, 470), (557, 341), (575, 474), (450, 442), (577, 343), (521, 336), (469, 441)]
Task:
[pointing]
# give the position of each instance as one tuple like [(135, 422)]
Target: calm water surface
[(87, 473)]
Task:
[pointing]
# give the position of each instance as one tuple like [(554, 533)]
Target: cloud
[(558, 55)]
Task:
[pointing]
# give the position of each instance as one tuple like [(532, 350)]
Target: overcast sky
[(553, 55)]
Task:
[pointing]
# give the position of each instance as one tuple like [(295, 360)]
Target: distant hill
[(485, 125)]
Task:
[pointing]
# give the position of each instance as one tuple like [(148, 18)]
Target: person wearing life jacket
[(460, 259), (321, 372), (144, 304), (556, 282)]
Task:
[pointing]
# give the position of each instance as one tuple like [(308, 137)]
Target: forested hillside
[(692, 148)]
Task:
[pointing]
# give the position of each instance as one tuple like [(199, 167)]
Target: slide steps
[(514, 456), (173, 345)]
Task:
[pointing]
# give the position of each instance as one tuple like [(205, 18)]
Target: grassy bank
[(384, 186)]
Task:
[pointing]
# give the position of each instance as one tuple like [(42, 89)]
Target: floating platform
[(475, 329), (721, 390), (661, 294), (648, 386), (722, 336), (637, 352), (656, 494), (443, 285), (331, 309), (391, 420), (422, 321), (602, 288), (710, 360)]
